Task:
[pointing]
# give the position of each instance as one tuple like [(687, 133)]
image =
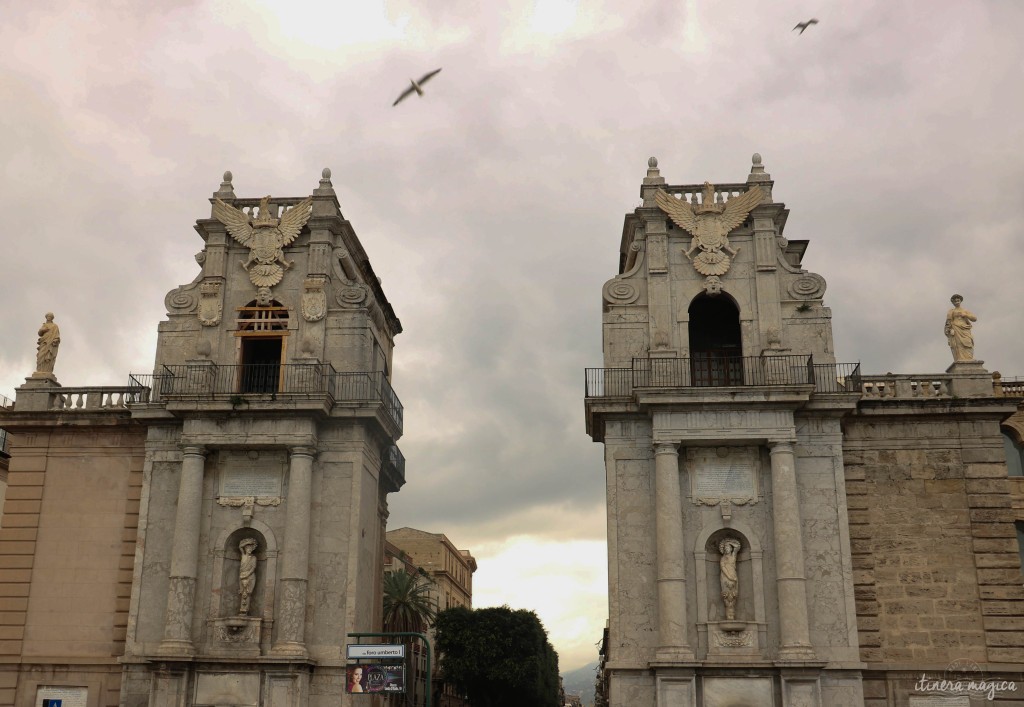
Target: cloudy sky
[(492, 207)]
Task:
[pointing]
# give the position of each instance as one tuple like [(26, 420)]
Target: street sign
[(377, 652)]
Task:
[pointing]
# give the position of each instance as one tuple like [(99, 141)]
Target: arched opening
[(716, 347)]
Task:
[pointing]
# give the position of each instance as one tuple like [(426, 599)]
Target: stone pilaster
[(673, 645), (184, 556), (291, 620), (794, 635)]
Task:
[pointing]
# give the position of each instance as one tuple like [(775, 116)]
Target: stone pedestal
[(236, 636), (37, 393), (969, 379)]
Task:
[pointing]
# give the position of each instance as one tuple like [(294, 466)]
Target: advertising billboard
[(373, 677)]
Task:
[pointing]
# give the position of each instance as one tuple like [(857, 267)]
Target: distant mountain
[(581, 682)]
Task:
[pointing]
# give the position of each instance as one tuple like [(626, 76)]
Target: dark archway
[(716, 346)]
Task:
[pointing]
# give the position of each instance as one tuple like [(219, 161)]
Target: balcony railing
[(235, 382), (713, 371)]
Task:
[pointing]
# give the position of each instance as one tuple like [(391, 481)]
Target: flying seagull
[(804, 25), (416, 86)]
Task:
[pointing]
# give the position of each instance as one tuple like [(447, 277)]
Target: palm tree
[(407, 602), (408, 607)]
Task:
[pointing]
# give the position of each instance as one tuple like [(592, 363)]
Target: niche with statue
[(730, 603), (243, 601)]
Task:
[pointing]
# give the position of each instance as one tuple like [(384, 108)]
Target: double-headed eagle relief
[(710, 222), (266, 236)]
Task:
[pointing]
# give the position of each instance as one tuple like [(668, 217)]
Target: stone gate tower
[(270, 448), (719, 408)]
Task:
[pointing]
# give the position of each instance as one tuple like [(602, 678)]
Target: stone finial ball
[(653, 163), (227, 176), (326, 173), (756, 159)]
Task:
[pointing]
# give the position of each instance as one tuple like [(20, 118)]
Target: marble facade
[(724, 414), (268, 426)]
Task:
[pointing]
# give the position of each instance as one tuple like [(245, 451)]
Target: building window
[(1014, 456), (716, 344)]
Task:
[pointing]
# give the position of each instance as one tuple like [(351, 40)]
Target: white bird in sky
[(804, 25), (416, 86)]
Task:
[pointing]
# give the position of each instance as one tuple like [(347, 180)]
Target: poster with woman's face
[(375, 678)]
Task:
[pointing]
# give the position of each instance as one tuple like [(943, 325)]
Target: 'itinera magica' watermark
[(964, 678)]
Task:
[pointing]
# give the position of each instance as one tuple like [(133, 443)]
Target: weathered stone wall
[(936, 563), (66, 552)]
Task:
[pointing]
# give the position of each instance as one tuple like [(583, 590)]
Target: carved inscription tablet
[(64, 696), (723, 473), (252, 473), (250, 482)]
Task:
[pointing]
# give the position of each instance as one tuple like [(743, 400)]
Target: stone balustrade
[(905, 386), (96, 398), (693, 193)]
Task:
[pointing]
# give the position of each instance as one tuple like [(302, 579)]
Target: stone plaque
[(62, 696), (940, 701), (723, 473), (250, 481)]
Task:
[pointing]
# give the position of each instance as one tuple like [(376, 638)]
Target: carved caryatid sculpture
[(958, 331), (710, 222), (265, 236), (46, 346), (729, 547), (246, 574)]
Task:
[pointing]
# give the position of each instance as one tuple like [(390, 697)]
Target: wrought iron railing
[(394, 459), (712, 371), (235, 382)]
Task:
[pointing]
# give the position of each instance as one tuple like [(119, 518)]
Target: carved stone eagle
[(710, 223), (265, 236)]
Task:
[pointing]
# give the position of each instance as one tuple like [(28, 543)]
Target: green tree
[(407, 602), (408, 607), (500, 657)]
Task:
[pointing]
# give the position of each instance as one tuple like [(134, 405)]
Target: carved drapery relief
[(314, 298), (209, 303), (246, 574), (958, 331), (47, 345), (729, 548)]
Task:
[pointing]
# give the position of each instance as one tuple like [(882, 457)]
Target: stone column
[(291, 619), (181, 589), (668, 520), (789, 556)]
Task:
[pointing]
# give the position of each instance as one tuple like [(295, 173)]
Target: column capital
[(666, 448), (194, 450), (302, 451), (780, 446)]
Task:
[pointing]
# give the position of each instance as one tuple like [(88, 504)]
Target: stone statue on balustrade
[(958, 331), (46, 348), (246, 574), (729, 547)]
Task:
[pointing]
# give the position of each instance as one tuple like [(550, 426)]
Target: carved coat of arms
[(314, 299), (265, 236), (710, 223), (209, 303)]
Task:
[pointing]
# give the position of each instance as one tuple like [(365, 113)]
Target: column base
[(176, 647), (290, 649), (797, 654), (674, 654)]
